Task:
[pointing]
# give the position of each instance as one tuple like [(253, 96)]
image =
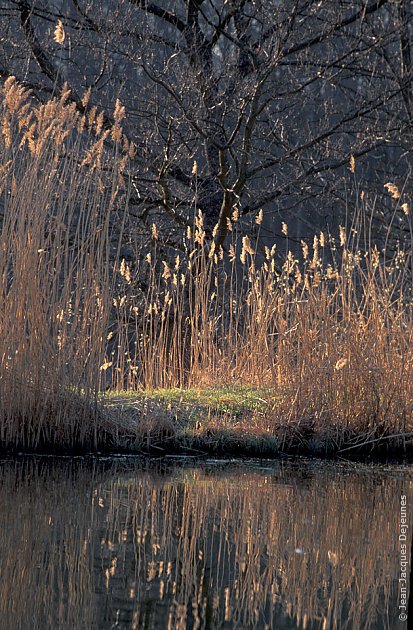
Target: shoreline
[(230, 422)]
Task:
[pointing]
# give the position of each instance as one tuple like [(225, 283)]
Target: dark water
[(132, 544)]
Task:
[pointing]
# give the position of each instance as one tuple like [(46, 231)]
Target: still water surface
[(127, 543)]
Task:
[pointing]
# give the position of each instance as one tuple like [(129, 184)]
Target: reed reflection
[(142, 546)]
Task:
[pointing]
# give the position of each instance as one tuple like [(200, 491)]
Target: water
[(166, 545)]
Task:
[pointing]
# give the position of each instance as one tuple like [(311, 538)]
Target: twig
[(387, 437)]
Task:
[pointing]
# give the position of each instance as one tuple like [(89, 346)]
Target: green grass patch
[(218, 420), (234, 401), (232, 421)]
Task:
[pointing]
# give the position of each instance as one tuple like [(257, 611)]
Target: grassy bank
[(312, 350), (237, 421)]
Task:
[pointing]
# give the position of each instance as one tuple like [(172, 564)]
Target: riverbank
[(238, 421), (231, 421)]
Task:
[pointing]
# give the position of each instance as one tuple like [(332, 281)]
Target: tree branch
[(154, 9)]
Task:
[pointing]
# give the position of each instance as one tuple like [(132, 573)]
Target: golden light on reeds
[(266, 328), (154, 232), (59, 33), (259, 217), (54, 274), (283, 320), (393, 190)]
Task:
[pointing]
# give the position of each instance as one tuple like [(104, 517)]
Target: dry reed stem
[(54, 273), (335, 338)]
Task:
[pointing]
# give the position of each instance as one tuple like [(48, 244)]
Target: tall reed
[(330, 327), (58, 187)]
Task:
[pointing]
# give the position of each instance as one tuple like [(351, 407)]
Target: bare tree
[(233, 103)]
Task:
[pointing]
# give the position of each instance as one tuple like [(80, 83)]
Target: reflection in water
[(138, 545)]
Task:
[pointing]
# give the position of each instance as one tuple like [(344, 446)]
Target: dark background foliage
[(270, 99)]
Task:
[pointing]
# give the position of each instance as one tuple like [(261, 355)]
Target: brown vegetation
[(330, 328), (57, 192), (333, 339)]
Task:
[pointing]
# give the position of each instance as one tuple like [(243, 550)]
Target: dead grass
[(329, 332), (314, 350), (57, 190)]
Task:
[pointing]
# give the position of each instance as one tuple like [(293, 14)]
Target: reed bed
[(329, 327), (58, 186)]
